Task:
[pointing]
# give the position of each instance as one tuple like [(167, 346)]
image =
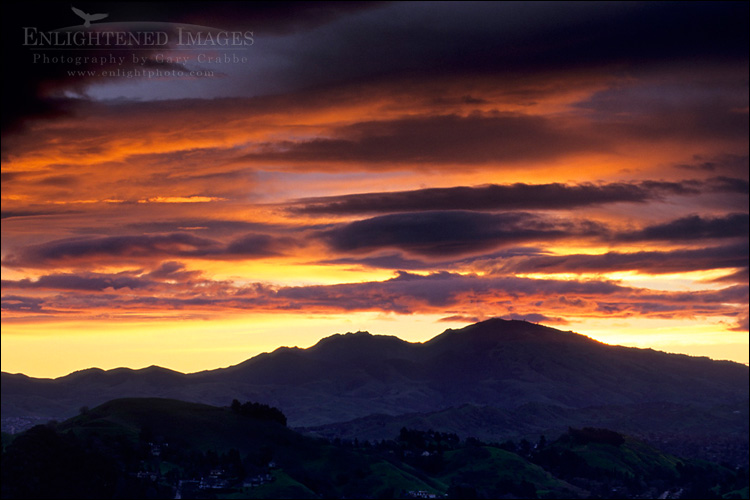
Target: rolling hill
[(152, 447), (164, 448)]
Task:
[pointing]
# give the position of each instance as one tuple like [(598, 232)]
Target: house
[(420, 494)]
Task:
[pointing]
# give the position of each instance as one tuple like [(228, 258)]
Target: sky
[(222, 179)]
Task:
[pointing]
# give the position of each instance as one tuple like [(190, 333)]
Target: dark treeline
[(593, 435), (259, 411)]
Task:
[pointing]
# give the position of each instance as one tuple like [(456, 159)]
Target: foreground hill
[(161, 448), (496, 363), (155, 448)]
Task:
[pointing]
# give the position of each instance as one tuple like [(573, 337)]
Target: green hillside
[(494, 472), (630, 458), (162, 448), (606, 462), (192, 439)]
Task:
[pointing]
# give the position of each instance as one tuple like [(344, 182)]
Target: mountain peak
[(85, 373), (498, 330), (348, 336), (359, 344)]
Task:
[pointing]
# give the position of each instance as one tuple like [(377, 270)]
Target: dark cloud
[(493, 137), (700, 122), (172, 270), (89, 282), (461, 318), (730, 184), (704, 165), (331, 43), (35, 89), (735, 164), (19, 303), (58, 181), (426, 40), (264, 17), (43, 90), (269, 17), (741, 276), (388, 261), (7, 214), (142, 247), (168, 277), (529, 299), (11, 176), (743, 323), (210, 226), (655, 189), (737, 294), (693, 227), (504, 197), (536, 318), (396, 261), (658, 109), (257, 245), (233, 183), (408, 293), (477, 138), (448, 232), (674, 261), (441, 101)]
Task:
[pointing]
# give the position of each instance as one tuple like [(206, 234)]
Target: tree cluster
[(258, 411), (594, 435)]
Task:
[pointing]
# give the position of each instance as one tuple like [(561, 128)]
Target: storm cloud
[(448, 232), (510, 197)]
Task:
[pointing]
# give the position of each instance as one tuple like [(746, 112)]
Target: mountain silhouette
[(496, 363)]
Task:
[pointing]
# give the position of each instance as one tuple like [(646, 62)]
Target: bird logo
[(88, 17)]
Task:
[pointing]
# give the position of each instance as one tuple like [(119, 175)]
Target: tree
[(259, 411)]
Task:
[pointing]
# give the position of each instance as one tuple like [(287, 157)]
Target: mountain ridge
[(499, 363), (323, 342)]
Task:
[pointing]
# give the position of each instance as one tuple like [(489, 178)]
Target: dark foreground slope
[(160, 448), (497, 363), (155, 448)]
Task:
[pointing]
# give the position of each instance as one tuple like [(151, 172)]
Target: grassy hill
[(493, 472), (158, 448), (606, 462), (303, 467)]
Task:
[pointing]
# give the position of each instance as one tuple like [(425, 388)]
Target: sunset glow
[(396, 168)]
